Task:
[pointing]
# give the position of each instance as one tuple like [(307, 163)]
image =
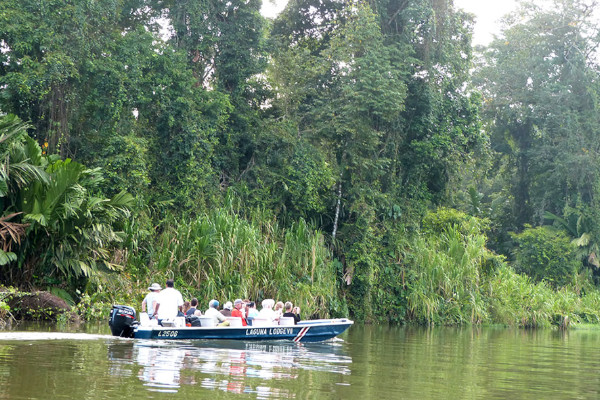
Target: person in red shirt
[(237, 311)]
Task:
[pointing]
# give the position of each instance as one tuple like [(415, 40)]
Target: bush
[(544, 253), (438, 221)]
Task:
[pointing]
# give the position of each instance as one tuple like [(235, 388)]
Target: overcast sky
[(487, 14)]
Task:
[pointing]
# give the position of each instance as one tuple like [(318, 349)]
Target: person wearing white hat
[(227, 308), (150, 299), (267, 311)]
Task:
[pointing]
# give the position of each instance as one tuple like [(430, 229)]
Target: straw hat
[(154, 287)]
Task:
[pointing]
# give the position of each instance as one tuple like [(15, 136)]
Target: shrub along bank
[(444, 275)]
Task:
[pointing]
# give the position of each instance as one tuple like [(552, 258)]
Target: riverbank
[(538, 307), (37, 305), (400, 188)]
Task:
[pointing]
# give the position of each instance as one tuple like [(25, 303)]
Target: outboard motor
[(122, 321)]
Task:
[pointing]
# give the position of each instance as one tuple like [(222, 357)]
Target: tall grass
[(224, 256), (444, 276), (516, 300), (447, 285)]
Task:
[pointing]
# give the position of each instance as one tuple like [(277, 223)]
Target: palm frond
[(11, 232), (6, 257)]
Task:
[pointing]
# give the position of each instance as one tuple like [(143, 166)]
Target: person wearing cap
[(169, 303), (238, 311), (227, 308), (215, 314), (149, 301)]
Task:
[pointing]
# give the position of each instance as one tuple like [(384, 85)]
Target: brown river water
[(366, 362)]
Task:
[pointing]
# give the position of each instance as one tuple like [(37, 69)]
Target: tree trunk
[(337, 208)]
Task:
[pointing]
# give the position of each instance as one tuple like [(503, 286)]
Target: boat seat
[(261, 322), (286, 321), (235, 322), (206, 321)]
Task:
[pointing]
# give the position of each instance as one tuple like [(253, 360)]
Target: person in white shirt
[(215, 314), (267, 312), (169, 303), (149, 301)]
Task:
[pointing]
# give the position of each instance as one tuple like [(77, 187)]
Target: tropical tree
[(438, 135), (21, 166), (579, 224), (224, 46), (539, 82), (362, 87), (73, 229), (56, 228), (101, 87), (47, 50)]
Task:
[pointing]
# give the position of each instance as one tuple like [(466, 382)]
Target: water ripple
[(236, 367)]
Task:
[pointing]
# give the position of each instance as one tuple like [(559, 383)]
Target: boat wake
[(33, 336)]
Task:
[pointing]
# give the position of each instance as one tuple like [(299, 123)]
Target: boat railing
[(326, 321), (235, 322)]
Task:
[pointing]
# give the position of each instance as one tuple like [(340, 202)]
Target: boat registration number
[(167, 333)]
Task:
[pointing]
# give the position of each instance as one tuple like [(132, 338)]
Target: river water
[(366, 362)]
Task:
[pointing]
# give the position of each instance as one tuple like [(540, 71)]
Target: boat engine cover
[(122, 320)]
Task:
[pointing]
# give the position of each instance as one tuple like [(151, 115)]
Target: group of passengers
[(166, 304)]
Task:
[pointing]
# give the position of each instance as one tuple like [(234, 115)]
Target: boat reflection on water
[(260, 368)]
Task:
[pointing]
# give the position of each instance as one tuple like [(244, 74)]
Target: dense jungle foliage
[(359, 158)]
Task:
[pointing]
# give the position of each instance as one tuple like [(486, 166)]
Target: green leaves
[(20, 156), (46, 204), (64, 226), (6, 257), (444, 270), (545, 253), (222, 255)]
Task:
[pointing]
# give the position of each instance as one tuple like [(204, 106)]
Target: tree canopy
[(362, 122)]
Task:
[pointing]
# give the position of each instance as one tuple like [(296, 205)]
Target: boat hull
[(305, 331)]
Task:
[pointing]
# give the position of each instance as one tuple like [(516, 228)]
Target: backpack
[(192, 320)]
